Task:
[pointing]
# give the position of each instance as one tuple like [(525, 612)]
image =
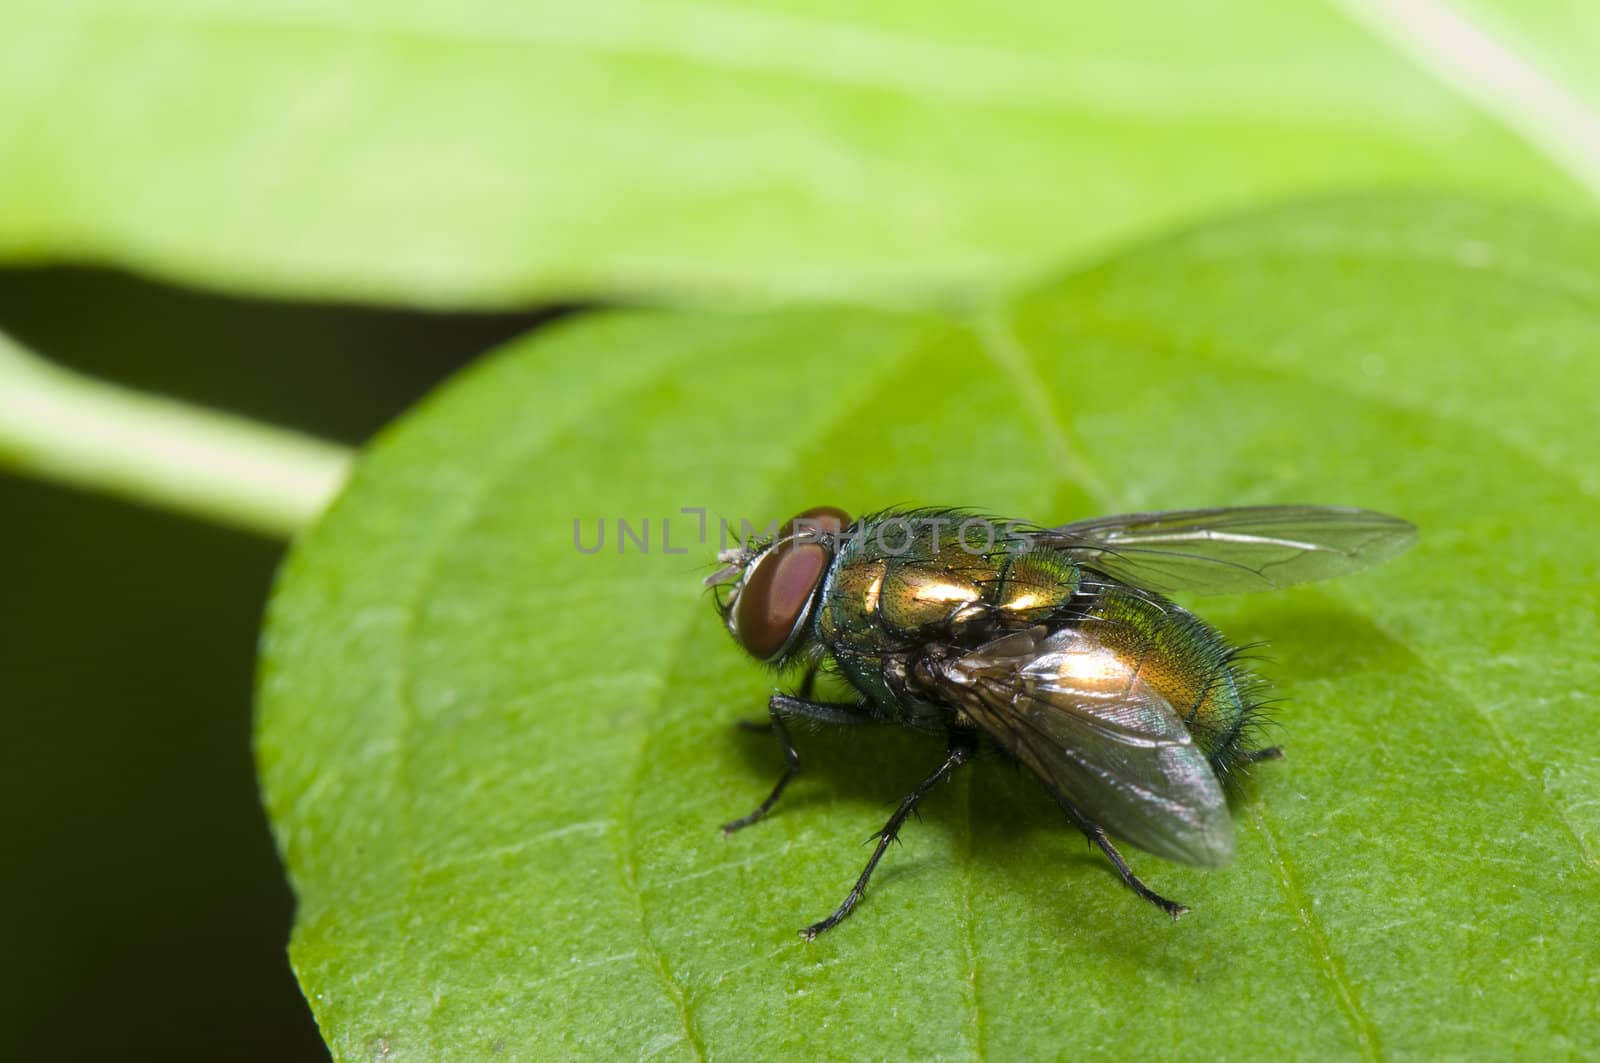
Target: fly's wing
[(1099, 737), (1243, 548)]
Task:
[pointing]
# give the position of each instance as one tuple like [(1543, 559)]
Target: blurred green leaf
[(488, 152), (497, 764)]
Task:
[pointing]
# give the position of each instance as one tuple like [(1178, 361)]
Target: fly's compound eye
[(818, 521), (776, 595)]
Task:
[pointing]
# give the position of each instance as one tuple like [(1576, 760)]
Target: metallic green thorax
[(902, 581), (898, 582)]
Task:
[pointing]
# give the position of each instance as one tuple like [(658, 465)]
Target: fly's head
[(767, 590)]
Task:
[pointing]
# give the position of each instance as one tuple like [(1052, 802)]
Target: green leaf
[(496, 152), (497, 764)]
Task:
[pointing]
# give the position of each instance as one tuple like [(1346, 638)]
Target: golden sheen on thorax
[(1056, 646)]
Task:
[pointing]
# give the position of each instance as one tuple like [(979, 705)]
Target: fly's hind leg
[(1133, 882), (1097, 835), (1255, 756), (961, 749), (783, 707)]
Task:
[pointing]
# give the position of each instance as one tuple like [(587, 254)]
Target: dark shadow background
[(145, 913)]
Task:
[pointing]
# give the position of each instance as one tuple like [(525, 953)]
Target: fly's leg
[(1132, 881), (1096, 834), (833, 713), (961, 749), (783, 707), (1255, 756), (768, 725), (791, 768)]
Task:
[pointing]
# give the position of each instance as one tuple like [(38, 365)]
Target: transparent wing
[(1244, 548), (1085, 722)]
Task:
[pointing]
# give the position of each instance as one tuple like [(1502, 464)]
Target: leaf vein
[(458, 512), (1460, 53), (1122, 329), (969, 923), (627, 864), (1016, 358), (1513, 757), (723, 37), (1361, 1025), (627, 856), (997, 339)]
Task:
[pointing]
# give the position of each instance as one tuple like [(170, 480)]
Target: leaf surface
[(497, 764), (490, 152)]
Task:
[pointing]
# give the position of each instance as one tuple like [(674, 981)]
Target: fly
[(1056, 645)]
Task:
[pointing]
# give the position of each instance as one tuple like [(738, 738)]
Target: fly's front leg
[(802, 693), (783, 707), (791, 768), (961, 749)]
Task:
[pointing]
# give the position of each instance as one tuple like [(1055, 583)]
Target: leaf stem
[(64, 426)]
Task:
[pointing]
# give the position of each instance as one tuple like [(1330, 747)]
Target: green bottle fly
[(1056, 645)]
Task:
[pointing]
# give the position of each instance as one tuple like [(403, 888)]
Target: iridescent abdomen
[(1183, 658)]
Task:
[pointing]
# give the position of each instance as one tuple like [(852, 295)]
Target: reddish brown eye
[(818, 518), (775, 596)]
